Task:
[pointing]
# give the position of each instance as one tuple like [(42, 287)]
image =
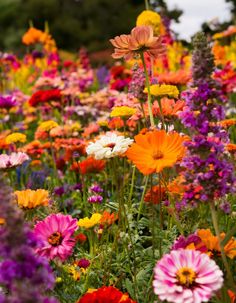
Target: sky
[(195, 12)]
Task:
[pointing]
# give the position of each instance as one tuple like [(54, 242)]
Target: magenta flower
[(186, 276), (56, 233), (12, 160)]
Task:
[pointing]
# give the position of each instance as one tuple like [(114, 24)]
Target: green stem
[(146, 5), (132, 186), (142, 198), (223, 256), (149, 91)]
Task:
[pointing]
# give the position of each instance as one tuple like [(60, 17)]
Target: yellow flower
[(71, 269), (87, 223), (32, 198), (102, 123), (151, 18), (47, 125), (122, 111), (15, 137), (163, 89)]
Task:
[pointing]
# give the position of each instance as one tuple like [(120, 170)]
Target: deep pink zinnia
[(186, 276), (56, 233)]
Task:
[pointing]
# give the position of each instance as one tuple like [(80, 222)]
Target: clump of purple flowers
[(208, 174), (24, 277)]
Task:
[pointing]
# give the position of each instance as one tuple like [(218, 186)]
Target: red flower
[(43, 96), (81, 238), (91, 165)]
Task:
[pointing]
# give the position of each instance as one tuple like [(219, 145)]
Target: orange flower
[(227, 123), (89, 165), (141, 39), (177, 187), (212, 243), (169, 107), (155, 195), (108, 218), (32, 198), (32, 36), (179, 77), (156, 150), (231, 147), (232, 296), (116, 123)]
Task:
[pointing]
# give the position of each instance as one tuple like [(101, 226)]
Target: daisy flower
[(56, 233), (186, 276), (108, 146)]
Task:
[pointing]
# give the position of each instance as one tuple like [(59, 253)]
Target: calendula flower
[(56, 233), (141, 39), (108, 146), (163, 90), (15, 137), (156, 150), (151, 18), (186, 276), (122, 111), (32, 198), (12, 160), (90, 222), (47, 125)]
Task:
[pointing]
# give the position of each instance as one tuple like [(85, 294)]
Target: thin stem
[(142, 198), (149, 91), (146, 5), (132, 186), (223, 256)]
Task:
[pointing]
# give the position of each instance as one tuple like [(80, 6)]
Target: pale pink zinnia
[(141, 39), (12, 160), (186, 276), (56, 233)]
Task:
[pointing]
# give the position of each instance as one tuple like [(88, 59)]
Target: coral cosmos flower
[(156, 150), (90, 222), (105, 294), (122, 111), (12, 160), (46, 126), (150, 18), (44, 96), (108, 146), (141, 39), (56, 232), (32, 198), (163, 90), (186, 276), (15, 137), (212, 243)]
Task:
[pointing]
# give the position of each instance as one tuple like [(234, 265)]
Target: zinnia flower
[(56, 233), (151, 18), (46, 126), (156, 150), (15, 137), (90, 222), (123, 111), (186, 276), (108, 146), (141, 39), (163, 90), (12, 160), (43, 96), (32, 198)]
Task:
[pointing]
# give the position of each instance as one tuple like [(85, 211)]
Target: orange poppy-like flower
[(89, 165), (169, 107), (141, 39), (212, 243), (32, 198), (108, 218), (155, 195), (156, 150)]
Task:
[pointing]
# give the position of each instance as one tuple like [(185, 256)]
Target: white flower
[(109, 146)]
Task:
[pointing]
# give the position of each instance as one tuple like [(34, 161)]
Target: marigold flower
[(141, 39), (122, 111), (32, 198), (163, 90), (156, 150), (186, 276), (90, 222), (46, 126), (150, 18), (15, 137)]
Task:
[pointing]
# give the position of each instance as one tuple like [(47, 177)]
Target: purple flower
[(95, 199), (7, 102)]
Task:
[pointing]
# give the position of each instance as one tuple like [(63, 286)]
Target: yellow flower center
[(55, 239), (186, 276), (158, 155)]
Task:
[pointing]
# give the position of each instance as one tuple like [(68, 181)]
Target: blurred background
[(91, 23)]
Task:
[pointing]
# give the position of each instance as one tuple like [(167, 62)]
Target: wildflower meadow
[(117, 182)]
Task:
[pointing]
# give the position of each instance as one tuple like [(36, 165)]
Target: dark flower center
[(111, 145), (55, 239), (158, 155)]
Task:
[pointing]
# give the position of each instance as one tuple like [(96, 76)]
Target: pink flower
[(12, 160), (140, 39), (186, 276), (56, 232)]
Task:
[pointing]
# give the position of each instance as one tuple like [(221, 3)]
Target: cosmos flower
[(156, 150), (32, 198), (12, 160), (108, 146), (141, 39), (56, 232), (186, 276)]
